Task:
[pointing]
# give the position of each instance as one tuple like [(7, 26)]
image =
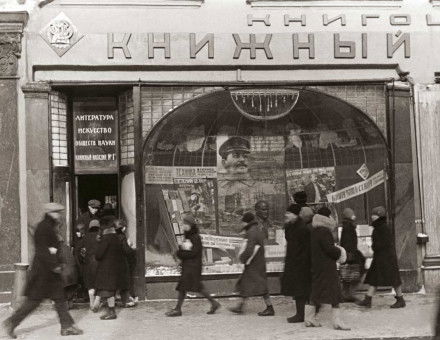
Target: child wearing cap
[(384, 270), (190, 253)]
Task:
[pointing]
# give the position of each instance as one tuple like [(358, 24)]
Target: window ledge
[(131, 3), (326, 3)]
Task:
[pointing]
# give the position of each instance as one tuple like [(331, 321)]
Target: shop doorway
[(103, 187)]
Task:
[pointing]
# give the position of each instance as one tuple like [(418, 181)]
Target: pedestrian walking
[(326, 288), (190, 254), (352, 270), (111, 260), (253, 280), (128, 296), (90, 263), (297, 276), (45, 280), (384, 270)]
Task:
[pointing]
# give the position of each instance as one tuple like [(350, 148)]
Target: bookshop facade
[(159, 119)]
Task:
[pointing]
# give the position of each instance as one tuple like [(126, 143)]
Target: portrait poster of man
[(249, 169), (315, 182)]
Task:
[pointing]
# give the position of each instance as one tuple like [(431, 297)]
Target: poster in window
[(315, 182)]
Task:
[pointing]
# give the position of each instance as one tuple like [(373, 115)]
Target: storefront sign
[(224, 242), (95, 137), (357, 189), (168, 175)]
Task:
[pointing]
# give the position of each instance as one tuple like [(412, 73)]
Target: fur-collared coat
[(297, 277), (384, 270), (326, 287), (253, 280)]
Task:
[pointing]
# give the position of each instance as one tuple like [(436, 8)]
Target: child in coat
[(111, 261), (190, 253)]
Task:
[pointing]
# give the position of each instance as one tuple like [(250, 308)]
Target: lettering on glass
[(430, 22), (364, 18), (400, 19), (252, 46)]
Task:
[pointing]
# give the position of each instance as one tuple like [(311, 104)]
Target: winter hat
[(52, 207), (348, 213), (324, 211), (94, 204), (294, 209), (379, 211), (300, 197), (107, 222), (306, 214), (189, 219), (94, 224), (248, 217)]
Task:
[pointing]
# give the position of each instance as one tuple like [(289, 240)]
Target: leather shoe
[(72, 330), (236, 310), (295, 319), (174, 312), (269, 311)]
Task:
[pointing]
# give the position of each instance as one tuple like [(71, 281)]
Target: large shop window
[(220, 153)]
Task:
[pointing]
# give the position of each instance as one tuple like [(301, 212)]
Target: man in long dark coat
[(297, 277), (384, 270), (45, 281)]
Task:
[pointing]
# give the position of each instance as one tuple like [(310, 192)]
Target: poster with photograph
[(249, 169), (317, 183)]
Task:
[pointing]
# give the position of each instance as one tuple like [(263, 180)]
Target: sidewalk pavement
[(147, 321)]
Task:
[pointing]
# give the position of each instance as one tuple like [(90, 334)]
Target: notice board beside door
[(95, 131)]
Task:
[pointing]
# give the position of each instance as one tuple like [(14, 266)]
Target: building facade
[(162, 107)]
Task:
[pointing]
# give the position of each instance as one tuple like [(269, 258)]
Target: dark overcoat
[(90, 262), (129, 257), (43, 282), (384, 270), (191, 278), (326, 287), (253, 280), (111, 260), (297, 277), (349, 241)]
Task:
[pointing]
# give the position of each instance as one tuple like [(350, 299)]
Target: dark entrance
[(101, 187)]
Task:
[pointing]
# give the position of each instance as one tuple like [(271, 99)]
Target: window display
[(220, 154)]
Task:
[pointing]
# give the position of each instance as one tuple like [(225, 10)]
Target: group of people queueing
[(311, 274), (106, 261)]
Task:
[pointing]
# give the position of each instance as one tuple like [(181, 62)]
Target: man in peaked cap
[(45, 280), (234, 153)]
